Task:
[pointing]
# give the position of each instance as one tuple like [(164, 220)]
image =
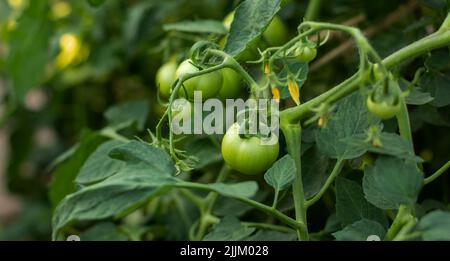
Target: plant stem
[(312, 10), (399, 222), (292, 134), (404, 231), (336, 170), (264, 208), (438, 173), (269, 226), (403, 123), (207, 207)]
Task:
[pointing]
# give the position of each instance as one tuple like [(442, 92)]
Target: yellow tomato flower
[(70, 45)]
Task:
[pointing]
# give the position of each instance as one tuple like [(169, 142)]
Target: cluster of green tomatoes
[(244, 153)]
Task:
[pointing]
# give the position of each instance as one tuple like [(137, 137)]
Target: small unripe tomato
[(209, 84), (165, 77), (250, 155), (384, 101), (231, 84), (382, 110), (306, 54)]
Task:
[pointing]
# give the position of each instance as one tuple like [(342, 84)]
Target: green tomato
[(165, 76), (231, 85), (382, 110), (306, 54), (276, 33), (209, 84), (248, 155), (384, 100)]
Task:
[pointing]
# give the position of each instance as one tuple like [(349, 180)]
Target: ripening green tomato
[(209, 84), (250, 156), (306, 54), (383, 109), (385, 99), (231, 84), (276, 33), (165, 76)]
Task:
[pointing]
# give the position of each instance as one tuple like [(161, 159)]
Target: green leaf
[(435, 226), (427, 206), (281, 174), (245, 189), (392, 182), (104, 231), (351, 118), (29, 44), (112, 198), (199, 26), (436, 83), (63, 181), (333, 224), (392, 144), (128, 113), (417, 96), (204, 152), (428, 114), (351, 205), (360, 231), (229, 229), (315, 171), (250, 20), (99, 165), (135, 152)]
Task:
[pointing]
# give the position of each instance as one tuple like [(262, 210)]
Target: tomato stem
[(336, 170), (292, 133), (438, 173)]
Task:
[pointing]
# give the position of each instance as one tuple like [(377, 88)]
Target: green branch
[(336, 170), (264, 208), (439, 39), (438, 173)]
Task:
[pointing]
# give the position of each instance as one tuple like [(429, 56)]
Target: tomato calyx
[(384, 101)]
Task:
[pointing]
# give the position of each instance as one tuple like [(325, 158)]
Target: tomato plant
[(104, 138)]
